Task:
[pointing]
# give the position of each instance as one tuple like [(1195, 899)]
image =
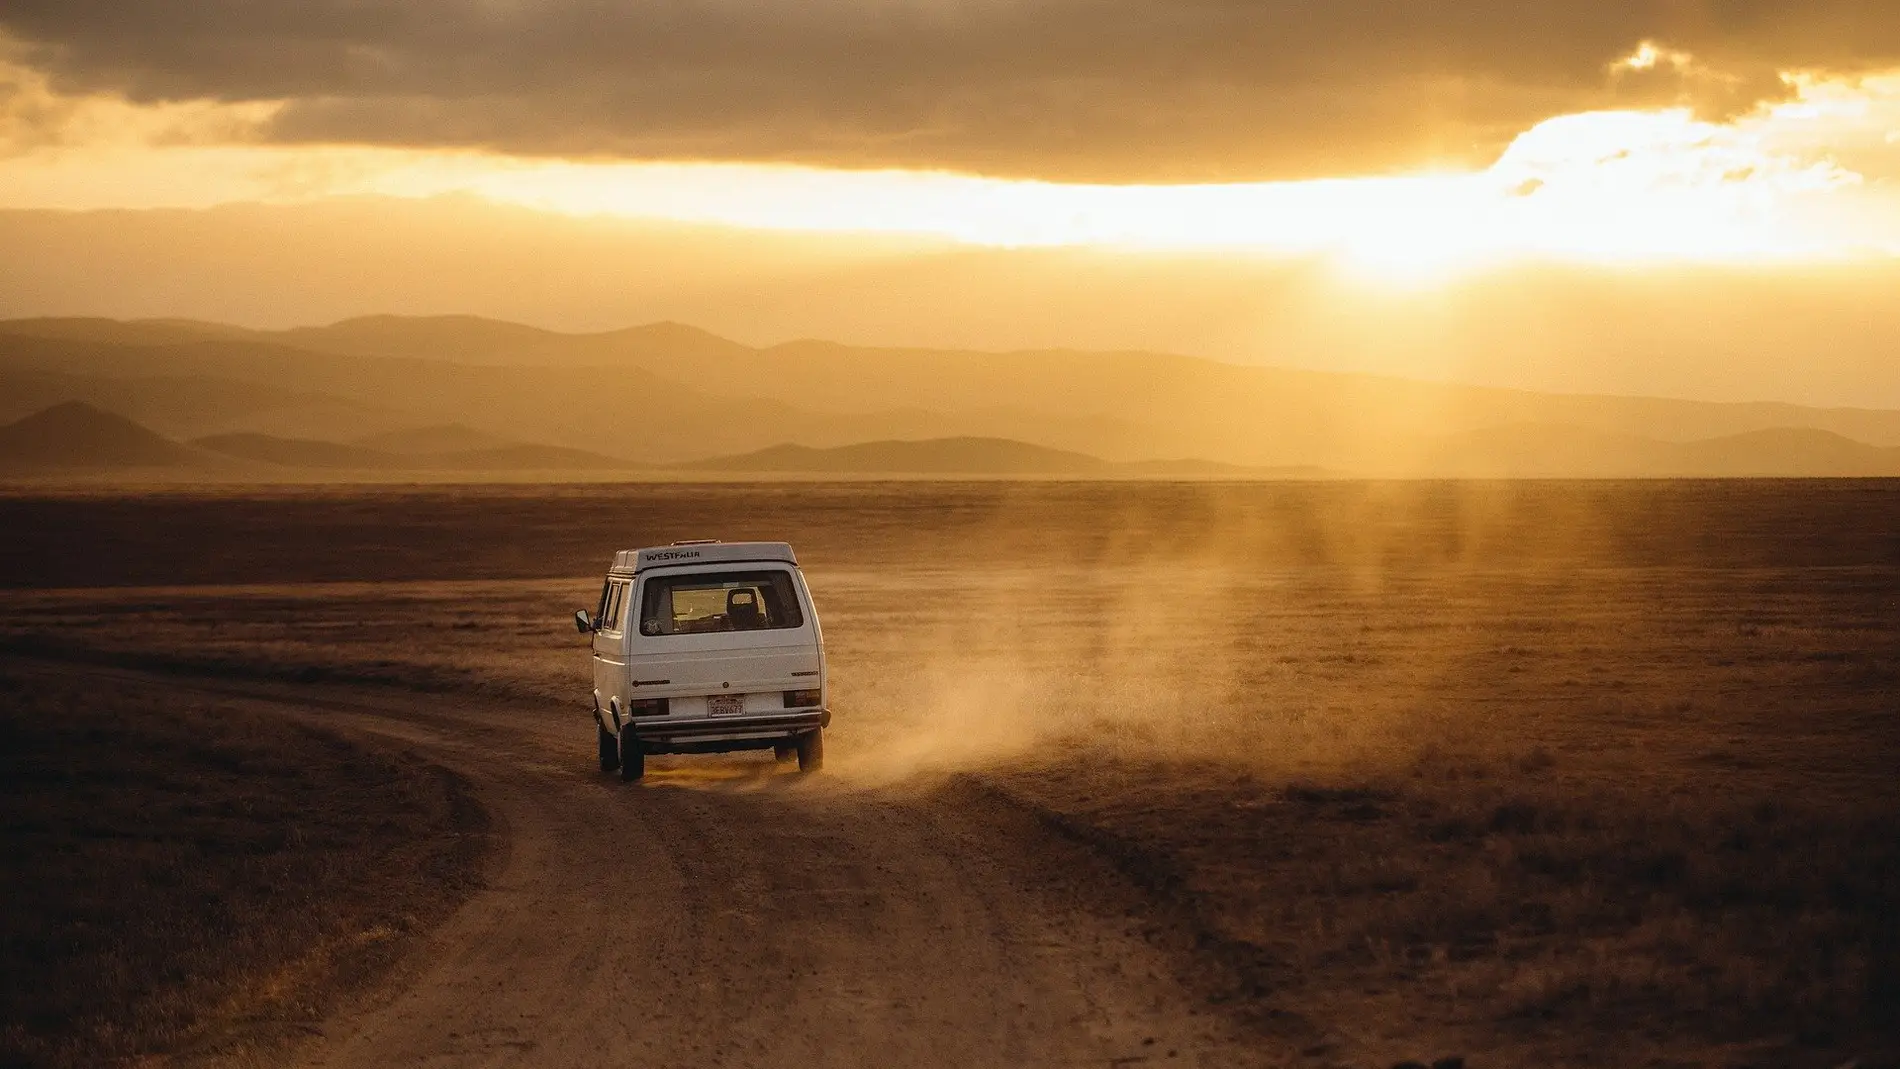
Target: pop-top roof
[(629, 561)]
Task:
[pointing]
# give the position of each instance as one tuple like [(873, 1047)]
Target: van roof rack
[(697, 542), (706, 551)]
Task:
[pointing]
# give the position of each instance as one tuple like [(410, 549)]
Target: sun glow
[(1608, 186), (1649, 55)]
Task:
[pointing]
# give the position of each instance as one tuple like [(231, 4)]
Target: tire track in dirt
[(729, 912)]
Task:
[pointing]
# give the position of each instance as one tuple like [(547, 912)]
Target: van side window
[(710, 602), (613, 604)]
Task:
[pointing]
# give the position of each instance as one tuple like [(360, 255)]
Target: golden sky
[(1411, 144), (1404, 136)]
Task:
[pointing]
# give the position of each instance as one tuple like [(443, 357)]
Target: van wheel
[(784, 752), (633, 757), (609, 750), (811, 750)]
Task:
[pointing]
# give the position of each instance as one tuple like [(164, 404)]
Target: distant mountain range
[(1542, 450), (76, 437), (464, 394)]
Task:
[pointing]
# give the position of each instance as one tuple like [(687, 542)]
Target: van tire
[(609, 750), (784, 752), (633, 757), (811, 750)]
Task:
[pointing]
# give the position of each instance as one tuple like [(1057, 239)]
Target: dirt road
[(730, 912)]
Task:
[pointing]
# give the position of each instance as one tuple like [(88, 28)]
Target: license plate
[(725, 705)]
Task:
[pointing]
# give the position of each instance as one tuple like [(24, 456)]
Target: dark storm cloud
[(1111, 89)]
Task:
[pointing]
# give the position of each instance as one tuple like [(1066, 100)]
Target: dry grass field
[(187, 876), (1536, 773)]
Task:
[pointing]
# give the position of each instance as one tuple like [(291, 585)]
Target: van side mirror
[(581, 622)]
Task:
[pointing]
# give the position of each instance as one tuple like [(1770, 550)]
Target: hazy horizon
[(1806, 334), (509, 397), (295, 331)]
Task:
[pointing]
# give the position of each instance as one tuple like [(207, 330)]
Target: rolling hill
[(1543, 450), (1786, 451), (475, 340), (75, 435), (193, 405)]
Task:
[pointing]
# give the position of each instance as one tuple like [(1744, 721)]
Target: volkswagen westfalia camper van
[(707, 647)]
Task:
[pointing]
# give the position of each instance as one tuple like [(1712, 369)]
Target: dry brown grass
[(185, 875), (1502, 909)]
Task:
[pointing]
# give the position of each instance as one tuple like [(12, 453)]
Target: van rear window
[(708, 602)]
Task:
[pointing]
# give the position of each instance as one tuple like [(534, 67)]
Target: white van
[(706, 647)]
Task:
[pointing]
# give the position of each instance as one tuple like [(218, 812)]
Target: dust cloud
[(1311, 630), (1241, 640)]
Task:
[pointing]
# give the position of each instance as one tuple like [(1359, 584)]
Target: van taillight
[(799, 699), (647, 707)]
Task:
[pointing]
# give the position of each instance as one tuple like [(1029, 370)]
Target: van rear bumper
[(662, 733)]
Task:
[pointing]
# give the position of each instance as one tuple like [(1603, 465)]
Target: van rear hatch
[(725, 640), (759, 677)]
